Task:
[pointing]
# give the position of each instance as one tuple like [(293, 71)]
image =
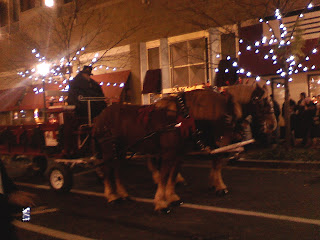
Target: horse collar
[(188, 120), (181, 105)]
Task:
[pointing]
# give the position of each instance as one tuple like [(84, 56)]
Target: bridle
[(262, 105), (261, 108)]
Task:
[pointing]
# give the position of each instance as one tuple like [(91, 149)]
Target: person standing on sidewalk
[(276, 133)]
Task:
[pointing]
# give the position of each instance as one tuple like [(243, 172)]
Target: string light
[(48, 70)]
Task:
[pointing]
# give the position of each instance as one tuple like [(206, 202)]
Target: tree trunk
[(288, 133)]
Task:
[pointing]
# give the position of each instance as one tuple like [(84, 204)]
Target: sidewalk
[(276, 164), (248, 160)]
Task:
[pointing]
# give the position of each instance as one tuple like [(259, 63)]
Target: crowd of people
[(303, 118)]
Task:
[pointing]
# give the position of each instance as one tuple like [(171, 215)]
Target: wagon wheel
[(60, 178), (39, 164)]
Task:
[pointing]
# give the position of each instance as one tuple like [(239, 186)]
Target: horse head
[(262, 109), (254, 100)]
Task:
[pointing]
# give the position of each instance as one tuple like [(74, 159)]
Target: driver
[(83, 85)]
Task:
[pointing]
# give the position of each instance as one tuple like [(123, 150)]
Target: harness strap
[(188, 121)]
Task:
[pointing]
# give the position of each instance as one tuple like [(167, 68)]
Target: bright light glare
[(43, 68), (49, 3)]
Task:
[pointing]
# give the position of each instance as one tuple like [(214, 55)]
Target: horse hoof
[(116, 201), (176, 203), (164, 211), (222, 192), (183, 184), (127, 199)]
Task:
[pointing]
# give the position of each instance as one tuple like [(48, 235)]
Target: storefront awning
[(112, 84), (152, 82), (9, 98), (32, 99)]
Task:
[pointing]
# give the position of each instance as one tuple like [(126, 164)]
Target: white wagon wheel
[(60, 178)]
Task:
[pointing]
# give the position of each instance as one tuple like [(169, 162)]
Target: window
[(153, 58), (188, 63), (277, 90), (314, 85), (228, 45), (27, 4), (3, 14)]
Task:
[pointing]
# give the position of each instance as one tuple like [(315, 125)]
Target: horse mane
[(241, 93), (199, 100), (203, 104)]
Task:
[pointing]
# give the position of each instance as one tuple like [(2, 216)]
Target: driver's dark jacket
[(81, 86)]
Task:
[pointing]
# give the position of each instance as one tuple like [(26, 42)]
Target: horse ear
[(265, 87)]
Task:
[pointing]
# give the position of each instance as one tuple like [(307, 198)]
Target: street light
[(43, 68), (49, 3)]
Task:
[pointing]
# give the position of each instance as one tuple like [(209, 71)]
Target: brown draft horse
[(152, 130), (247, 100)]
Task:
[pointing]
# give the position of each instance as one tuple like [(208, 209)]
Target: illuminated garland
[(48, 72), (284, 41)]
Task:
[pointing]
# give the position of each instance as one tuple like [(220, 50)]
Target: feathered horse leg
[(110, 170), (153, 166)]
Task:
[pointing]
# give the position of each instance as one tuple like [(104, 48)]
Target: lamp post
[(43, 69)]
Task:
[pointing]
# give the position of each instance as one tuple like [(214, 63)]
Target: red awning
[(152, 81), (112, 84), (9, 98), (31, 99)]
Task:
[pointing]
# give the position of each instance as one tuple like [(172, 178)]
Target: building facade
[(166, 46)]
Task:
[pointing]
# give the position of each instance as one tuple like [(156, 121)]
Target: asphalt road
[(262, 204)]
